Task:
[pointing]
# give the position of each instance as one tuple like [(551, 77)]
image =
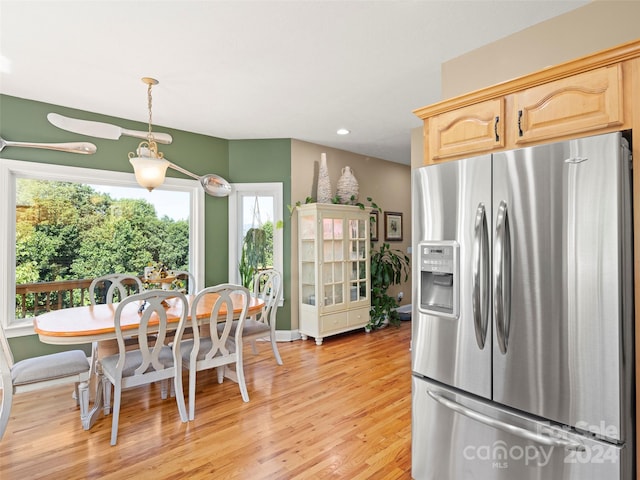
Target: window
[(108, 198), (251, 206)]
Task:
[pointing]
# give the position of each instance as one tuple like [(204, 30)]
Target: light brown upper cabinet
[(594, 94), (476, 128), (581, 103)]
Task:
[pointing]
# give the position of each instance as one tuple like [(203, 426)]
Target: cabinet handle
[(520, 122), (495, 129)]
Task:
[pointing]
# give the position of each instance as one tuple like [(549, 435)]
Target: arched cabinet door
[(580, 103), (472, 129)]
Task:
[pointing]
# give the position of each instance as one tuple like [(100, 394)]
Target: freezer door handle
[(502, 278), (504, 426), (480, 276)]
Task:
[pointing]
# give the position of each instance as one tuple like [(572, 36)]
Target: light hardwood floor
[(341, 410)]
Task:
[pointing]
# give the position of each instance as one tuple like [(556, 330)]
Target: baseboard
[(287, 335)]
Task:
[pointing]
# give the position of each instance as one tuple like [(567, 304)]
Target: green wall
[(268, 161), (237, 161)]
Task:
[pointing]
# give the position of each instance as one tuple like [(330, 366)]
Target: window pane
[(256, 207), (69, 233), (257, 236)]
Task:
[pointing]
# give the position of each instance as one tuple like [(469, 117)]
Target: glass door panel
[(362, 270), (337, 273), (362, 250), (337, 229), (308, 251), (308, 227), (337, 294), (327, 249), (327, 273), (338, 251), (327, 228), (362, 232)]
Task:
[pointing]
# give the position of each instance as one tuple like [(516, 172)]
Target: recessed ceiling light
[(343, 131)]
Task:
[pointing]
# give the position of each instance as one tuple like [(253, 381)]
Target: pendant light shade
[(149, 171)]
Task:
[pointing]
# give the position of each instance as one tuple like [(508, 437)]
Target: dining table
[(95, 323)]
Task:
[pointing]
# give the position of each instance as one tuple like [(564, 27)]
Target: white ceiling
[(254, 69)]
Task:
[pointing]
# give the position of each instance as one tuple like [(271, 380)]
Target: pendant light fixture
[(150, 166)]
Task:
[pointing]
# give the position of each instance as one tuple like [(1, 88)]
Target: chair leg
[(276, 353), (220, 371), (5, 408), (192, 392), (254, 348), (179, 394), (163, 389), (239, 374), (83, 398), (106, 394), (240, 379), (117, 394)]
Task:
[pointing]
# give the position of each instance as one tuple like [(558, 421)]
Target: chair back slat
[(267, 285), (188, 277), (153, 324), (219, 337), (113, 287)]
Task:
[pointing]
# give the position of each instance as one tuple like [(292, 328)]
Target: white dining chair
[(188, 277), (111, 288), (150, 362), (267, 285), (70, 367), (211, 347)]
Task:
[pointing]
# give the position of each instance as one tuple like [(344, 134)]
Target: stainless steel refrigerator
[(522, 341)]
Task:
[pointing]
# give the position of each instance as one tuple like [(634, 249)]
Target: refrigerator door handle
[(480, 276), (502, 278), (504, 426)]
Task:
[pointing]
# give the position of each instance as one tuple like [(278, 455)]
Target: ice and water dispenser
[(439, 278)]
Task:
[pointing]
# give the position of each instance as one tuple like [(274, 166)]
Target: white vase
[(347, 187), (324, 184)]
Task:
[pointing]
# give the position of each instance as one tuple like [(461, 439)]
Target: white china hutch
[(334, 266)]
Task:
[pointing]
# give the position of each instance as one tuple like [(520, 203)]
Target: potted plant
[(254, 254), (388, 267)]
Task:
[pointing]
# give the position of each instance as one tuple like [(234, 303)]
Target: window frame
[(12, 169), (239, 191)]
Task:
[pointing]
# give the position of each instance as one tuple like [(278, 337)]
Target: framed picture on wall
[(373, 226), (393, 226)]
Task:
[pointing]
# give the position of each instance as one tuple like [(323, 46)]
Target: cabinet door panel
[(476, 128), (585, 102)]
